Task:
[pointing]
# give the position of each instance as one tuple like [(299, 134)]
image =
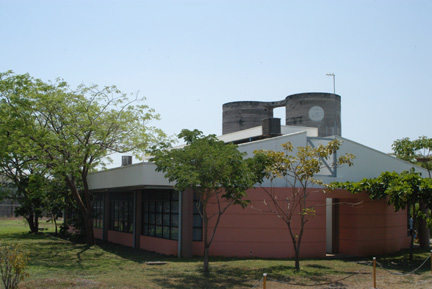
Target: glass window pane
[(166, 207), (159, 207), (158, 231), (197, 234), (174, 220), (166, 219), (197, 221), (196, 206), (152, 230), (151, 218), (159, 219), (174, 195), (166, 232), (152, 206), (174, 233), (175, 207)]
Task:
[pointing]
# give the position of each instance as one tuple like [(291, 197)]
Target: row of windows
[(160, 214)]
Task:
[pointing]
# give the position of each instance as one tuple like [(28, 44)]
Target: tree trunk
[(413, 232), (206, 259), (206, 244), (297, 259), (33, 223), (85, 208), (88, 224), (423, 230), (36, 222), (55, 225)]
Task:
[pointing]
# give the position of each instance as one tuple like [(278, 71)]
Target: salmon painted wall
[(98, 233), (256, 232), (121, 238), (366, 227), (369, 227), (163, 246)]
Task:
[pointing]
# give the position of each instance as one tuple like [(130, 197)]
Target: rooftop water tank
[(315, 109)]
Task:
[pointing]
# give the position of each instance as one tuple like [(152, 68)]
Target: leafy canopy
[(401, 189), (206, 165), (302, 167)]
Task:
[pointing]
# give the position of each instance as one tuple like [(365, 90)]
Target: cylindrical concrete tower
[(241, 115), (315, 109)]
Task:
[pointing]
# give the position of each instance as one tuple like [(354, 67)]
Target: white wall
[(369, 163), (142, 174)]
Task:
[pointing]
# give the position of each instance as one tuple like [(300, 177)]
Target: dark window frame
[(197, 225), (98, 211), (121, 212), (160, 214)]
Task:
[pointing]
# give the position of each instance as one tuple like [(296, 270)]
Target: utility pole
[(334, 81)]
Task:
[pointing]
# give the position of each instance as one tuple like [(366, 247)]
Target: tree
[(401, 189), (418, 152), (216, 172), (13, 263), (23, 174), (299, 170), (73, 131), (57, 200)]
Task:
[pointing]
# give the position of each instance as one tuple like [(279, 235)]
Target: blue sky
[(188, 57)]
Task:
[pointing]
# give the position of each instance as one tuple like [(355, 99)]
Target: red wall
[(121, 238), (98, 233), (371, 227), (365, 228), (163, 246), (257, 232)]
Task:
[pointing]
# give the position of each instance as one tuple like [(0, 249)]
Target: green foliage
[(216, 172), (401, 189), (207, 166), (417, 151), (299, 170), (13, 262), (71, 132)]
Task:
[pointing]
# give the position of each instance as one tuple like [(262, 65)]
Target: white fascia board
[(257, 132), (241, 134), (138, 175)]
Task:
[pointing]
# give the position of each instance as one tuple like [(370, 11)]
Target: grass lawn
[(57, 263)]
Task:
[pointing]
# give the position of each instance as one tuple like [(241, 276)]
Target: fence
[(374, 263), (7, 208)]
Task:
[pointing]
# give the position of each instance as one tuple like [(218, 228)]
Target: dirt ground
[(384, 280)]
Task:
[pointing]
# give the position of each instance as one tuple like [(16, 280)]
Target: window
[(121, 212), (98, 211), (197, 219), (161, 214)]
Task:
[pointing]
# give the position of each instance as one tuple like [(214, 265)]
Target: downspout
[(179, 242), (104, 221), (134, 219)]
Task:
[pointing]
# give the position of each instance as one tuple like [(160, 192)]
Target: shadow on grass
[(399, 261), (50, 252)]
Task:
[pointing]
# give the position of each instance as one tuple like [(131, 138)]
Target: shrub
[(13, 262)]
